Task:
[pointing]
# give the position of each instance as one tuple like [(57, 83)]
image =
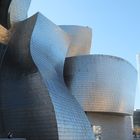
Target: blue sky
[(115, 24)]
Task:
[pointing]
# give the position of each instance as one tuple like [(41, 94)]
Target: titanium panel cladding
[(49, 54), (18, 10), (25, 105), (102, 83), (80, 39), (35, 102)]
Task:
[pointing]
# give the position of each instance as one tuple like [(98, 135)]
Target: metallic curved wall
[(34, 101), (80, 39), (72, 123), (18, 10), (102, 83), (25, 106)]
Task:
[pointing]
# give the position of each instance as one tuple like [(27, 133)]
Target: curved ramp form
[(18, 10), (4, 5), (35, 103), (106, 84), (80, 39)]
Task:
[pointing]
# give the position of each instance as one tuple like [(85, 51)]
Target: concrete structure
[(18, 10), (105, 88), (80, 39), (35, 102), (12, 11)]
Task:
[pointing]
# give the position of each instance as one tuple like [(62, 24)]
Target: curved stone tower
[(105, 88)]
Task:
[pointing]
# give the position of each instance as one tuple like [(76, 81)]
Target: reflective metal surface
[(80, 39), (49, 54), (18, 10), (34, 101), (25, 105), (12, 11), (102, 83)]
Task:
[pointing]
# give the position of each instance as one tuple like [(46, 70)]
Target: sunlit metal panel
[(18, 10), (80, 39), (102, 83), (35, 102)]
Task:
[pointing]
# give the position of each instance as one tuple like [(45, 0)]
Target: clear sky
[(115, 24)]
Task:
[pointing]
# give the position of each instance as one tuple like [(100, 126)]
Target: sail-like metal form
[(12, 11), (18, 10), (80, 39), (35, 102), (49, 55)]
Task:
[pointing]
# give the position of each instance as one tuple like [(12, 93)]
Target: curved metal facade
[(72, 123), (12, 11), (102, 83), (26, 108), (18, 10), (80, 39), (35, 102)]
